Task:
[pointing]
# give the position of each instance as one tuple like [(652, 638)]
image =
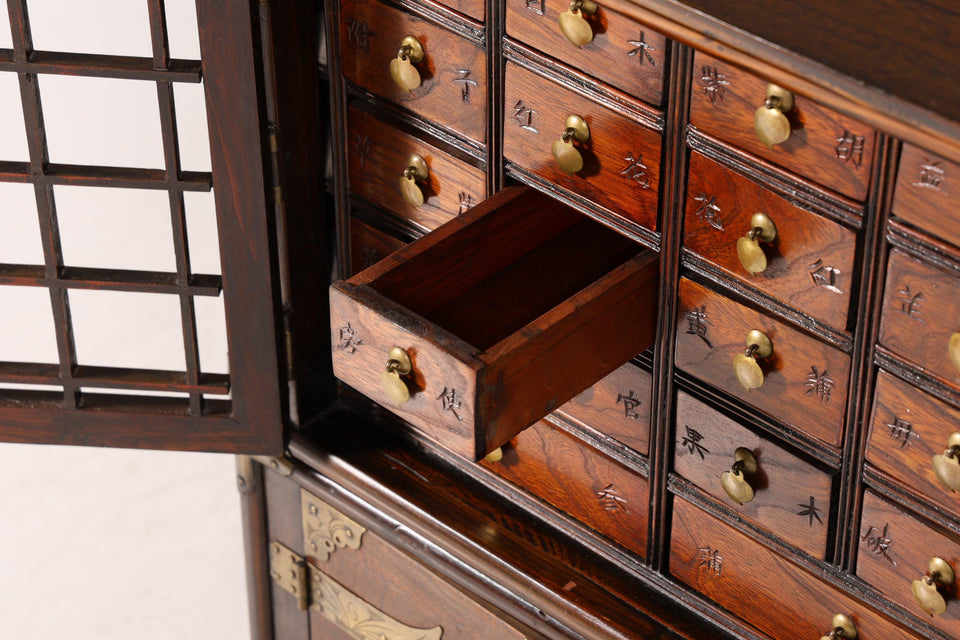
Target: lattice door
[(172, 384)]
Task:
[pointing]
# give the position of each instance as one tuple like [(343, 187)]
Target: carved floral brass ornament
[(325, 530), (568, 156), (748, 372), (842, 628), (947, 464), (751, 254), (404, 74), (573, 25), (925, 590), (770, 120), (734, 482)]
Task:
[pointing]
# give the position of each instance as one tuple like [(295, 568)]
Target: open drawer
[(495, 319)]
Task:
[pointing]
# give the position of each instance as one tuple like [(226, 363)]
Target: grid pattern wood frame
[(250, 420)]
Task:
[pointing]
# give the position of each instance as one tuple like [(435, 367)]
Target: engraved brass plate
[(289, 571), (325, 530)]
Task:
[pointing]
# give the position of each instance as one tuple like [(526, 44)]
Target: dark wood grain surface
[(927, 190), (369, 245)]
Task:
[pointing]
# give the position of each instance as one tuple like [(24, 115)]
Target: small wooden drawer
[(804, 380), (369, 245), (579, 480), (810, 262), (617, 406), (505, 313), (621, 159), (895, 549), (379, 154), (453, 92), (791, 497), (623, 53), (475, 9), (826, 147), (908, 428), (776, 596), (920, 316), (927, 193)]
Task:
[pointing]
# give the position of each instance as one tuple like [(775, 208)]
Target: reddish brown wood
[(102, 66), (895, 547), (110, 280), (623, 53), (283, 526), (926, 192), (727, 110), (378, 156), (768, 591), (574, 477), (790, 391), (94, 176), (616, 144), (116, 378), (792, 497), (475, 9), (440, 98), (369, 245), (810, 264), (618, 406)]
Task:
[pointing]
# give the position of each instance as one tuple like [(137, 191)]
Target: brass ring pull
[(770, 120), (734, 481), (947, 464), (402, 70), (925, 589), (568, 156), (749, 374), (416, 171), (573, 25), (398, 365), (751, 254), (843, 628)]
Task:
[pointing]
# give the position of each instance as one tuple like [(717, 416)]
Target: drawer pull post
[(417, 170), (843, 628), (947, 464), (398, 365), (749, 374), (770, 120), (734, 481), (566, 155), (573, 25), (402, 70), (751, 254), (939, 572)]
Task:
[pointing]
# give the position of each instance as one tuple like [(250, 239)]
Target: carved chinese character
[(819, 383), (358, 34), (714, 84), (450, 401), (931, 175), (692, 442), (810, 510), (641, 50), (361, 147), (636, 171), (902, 431), (369, 256), (524, 116), (878, 542), (849, 148), (711, 560), (629, 404), (611, 500), (697, 323), (535, 5), (463, 78), (349, 340), (709, 211), (466, 202), (826, 277), (910, 303)]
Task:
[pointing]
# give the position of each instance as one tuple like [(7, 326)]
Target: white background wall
[(103, 544)]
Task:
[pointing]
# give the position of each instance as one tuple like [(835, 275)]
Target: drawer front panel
[(810, 264), (453, 72), (475, 9), (766, 590), (805, 381), (895, 549), (621, 159), (792, 498), (623, 54), (618, 406), (908, 428), (369, 245), (826, 147), (920, 314), (927, 193), (378, 157), (572, 476)]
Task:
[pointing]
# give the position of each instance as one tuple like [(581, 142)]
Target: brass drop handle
[(842, 628), (749, 374), (770, 120), (402, 70), (953, 349), (734, 481), (398, 364), (925, 589), (568, 156), (947, 464), (751, 254), (416, 171), (573, 25)]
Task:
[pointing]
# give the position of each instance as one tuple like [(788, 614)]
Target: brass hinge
[(280, 464)]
